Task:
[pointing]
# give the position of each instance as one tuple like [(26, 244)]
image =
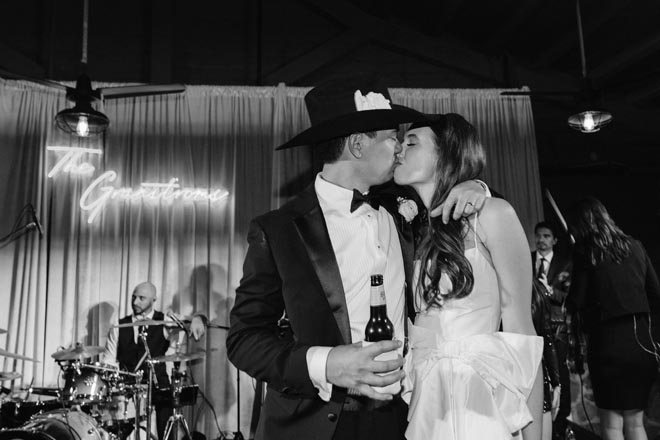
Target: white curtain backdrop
[(70, 284)]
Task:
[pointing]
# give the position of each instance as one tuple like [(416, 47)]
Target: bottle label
[(394, 388), (378, 296)]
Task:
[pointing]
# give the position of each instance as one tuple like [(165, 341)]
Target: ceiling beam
[(642, 94), (622, 60), (440, 51), (15, 61), (318, 57), (517, 18), (446, 52), (570, 39)]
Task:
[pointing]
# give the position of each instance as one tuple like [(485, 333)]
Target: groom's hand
[(353, 366)]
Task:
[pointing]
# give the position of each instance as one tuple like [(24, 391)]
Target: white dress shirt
[(109, 355), (365, 242), (548, 259)]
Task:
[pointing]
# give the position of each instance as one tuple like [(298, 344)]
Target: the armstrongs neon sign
[(99, 193)]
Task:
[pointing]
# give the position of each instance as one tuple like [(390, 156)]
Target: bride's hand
[(464, 199)]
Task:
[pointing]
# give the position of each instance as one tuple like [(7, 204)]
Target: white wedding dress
[(465, 380)]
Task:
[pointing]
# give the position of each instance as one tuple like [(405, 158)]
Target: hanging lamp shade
[(590, 121), (82, 120)]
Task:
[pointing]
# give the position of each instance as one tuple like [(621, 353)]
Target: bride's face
[(417, 161)]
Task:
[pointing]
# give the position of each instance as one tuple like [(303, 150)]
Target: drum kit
[(97, 402)]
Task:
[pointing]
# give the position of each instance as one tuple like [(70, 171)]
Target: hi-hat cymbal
[(178, 357), (9, 375), (16, 356), (77, 352), (110, 369), (147, 322)]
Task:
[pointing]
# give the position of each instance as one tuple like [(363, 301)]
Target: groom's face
[(380, 155)]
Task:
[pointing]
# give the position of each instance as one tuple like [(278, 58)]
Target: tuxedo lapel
[(314, 234), (406, 238)]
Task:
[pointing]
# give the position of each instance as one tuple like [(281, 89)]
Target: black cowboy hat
[(334, 110), (436, 120)]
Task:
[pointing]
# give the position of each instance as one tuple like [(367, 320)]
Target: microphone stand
[(152, 374), (238, 435)]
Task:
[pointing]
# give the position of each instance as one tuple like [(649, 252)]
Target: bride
[(465, 379)]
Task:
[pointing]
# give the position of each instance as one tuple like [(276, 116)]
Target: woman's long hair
[(596, 235), (460, 157)]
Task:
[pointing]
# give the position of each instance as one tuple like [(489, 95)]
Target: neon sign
[(97, 195)]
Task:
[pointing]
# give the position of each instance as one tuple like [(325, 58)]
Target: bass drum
[(59, 425), (14, 413)]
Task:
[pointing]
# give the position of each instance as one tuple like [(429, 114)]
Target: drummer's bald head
[(144, 297), (146, 289)]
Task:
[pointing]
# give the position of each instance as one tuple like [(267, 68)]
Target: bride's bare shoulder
[(496, 213)]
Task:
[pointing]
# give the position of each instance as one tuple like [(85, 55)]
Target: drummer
[(124, 347)]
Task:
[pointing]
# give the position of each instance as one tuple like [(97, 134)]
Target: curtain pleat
[(71, 284)]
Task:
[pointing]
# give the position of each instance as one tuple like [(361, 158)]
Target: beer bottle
[(380, 328)]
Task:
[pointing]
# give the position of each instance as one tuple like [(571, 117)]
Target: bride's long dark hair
[(441, 250)]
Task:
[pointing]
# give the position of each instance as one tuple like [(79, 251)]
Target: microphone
[(178, 322), (35, 222)]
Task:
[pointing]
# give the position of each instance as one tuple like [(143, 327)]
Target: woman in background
[(615, 290)]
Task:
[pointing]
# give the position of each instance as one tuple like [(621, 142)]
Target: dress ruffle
[(506, 362)]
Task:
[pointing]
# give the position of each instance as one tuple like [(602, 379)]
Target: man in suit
[(554, 272), (125, 348), (311, 261)]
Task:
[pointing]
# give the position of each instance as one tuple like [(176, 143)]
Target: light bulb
[(588, 123), (82, 128)]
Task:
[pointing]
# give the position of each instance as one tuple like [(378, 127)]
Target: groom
[(311, 260)]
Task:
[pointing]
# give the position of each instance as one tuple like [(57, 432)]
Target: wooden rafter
[(318, 57), (569, 40), (17, 62), (625, 58), (517, 18)]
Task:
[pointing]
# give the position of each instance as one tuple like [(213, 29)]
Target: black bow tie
[(359, 199)]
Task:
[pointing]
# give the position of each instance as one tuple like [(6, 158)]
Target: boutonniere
[(407, 208)]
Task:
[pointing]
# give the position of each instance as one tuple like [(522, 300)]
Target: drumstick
[(558, 212), (139, 364)]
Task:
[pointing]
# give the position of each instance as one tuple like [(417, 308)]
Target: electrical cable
[(221, 435)]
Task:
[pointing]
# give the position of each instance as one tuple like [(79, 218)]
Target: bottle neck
[(377, 296), (378, 311)]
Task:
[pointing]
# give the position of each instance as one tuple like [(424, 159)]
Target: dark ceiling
[(434, 44)]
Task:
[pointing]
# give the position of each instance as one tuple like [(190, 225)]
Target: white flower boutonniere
[(407, 208), (373, 101)]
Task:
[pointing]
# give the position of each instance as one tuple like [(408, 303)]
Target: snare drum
[(84, 384), (117, 413), (61, 424)]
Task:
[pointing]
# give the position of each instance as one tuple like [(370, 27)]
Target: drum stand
[(176, 420), (150, 381)]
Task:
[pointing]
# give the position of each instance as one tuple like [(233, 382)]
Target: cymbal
[(9, 375), (2, 330), (147, 322), (16, 356), (110, 369), (178, 357), (77, 352)]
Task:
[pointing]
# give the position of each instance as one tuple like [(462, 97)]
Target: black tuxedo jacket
[(560, 265), (290, 266)]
